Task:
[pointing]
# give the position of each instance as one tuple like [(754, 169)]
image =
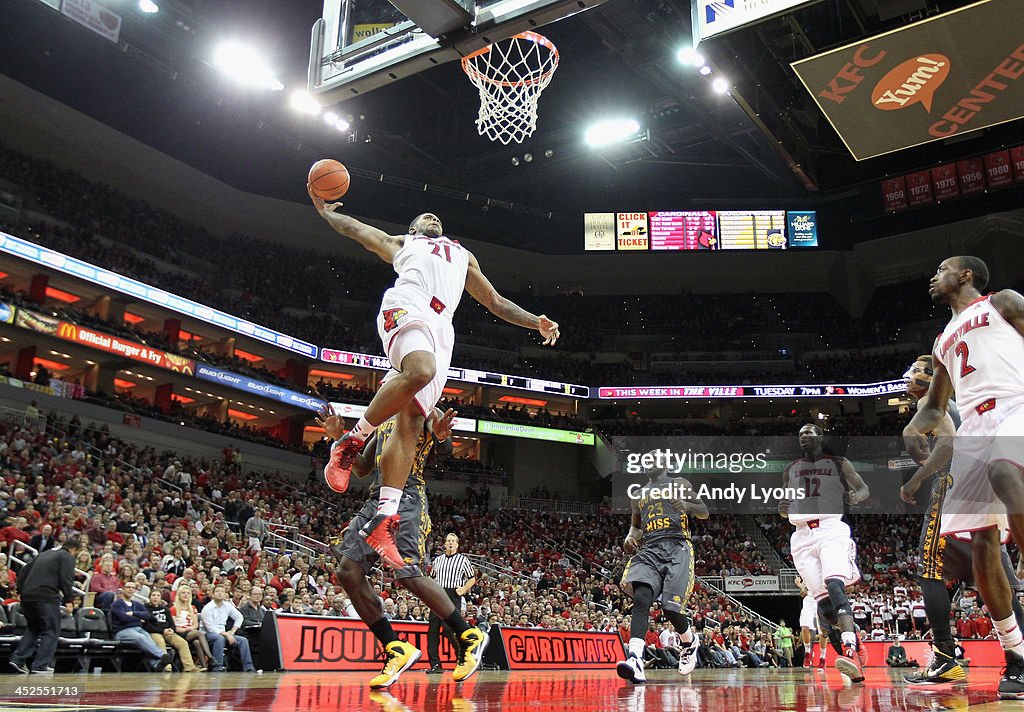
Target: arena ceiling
[(705, 151)]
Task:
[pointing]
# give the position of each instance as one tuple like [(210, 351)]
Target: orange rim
[(474, 74)]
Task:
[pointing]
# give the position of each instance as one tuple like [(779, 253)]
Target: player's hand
[(679, 505), (917, 444), (851, 497), (332, 423), (442, 427), (908, 490), (548, 329), (784, 508), (323, 208), (630, 545)]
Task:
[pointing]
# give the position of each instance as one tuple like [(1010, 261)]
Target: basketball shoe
[(400, 656), (688, 656), (942, 669), (1011, 687), (632, 669), (471, 646), (338, 469), (848, 664), (379, 534)]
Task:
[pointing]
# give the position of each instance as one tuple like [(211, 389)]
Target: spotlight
[(149, 7), (705, 70), (342, 125), (688, 55), (610, 131), (245, 66), (515, 160), (330, 118), (548, 153), (304, 103), (528, 157), (720, 85)]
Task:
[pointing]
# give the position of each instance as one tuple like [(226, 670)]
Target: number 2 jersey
[(984, 356)]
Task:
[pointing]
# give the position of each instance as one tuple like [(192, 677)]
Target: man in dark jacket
[(44, 584), (160, 627), (127, 618)]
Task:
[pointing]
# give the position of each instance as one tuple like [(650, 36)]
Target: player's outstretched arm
[(930, 411), (376, 241), (481, 289), (1010, 305)]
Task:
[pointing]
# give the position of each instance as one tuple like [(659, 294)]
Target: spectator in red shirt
[(982, 627), (16, 531), (105, 584), (964, 627)]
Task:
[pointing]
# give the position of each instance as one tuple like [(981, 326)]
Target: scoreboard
[(700, 230)]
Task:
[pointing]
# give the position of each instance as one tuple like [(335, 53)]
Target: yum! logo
[(915, 80)]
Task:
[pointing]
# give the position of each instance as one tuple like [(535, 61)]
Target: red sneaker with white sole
[(379, 533)]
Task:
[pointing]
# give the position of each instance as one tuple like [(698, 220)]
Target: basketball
[(329, 179)]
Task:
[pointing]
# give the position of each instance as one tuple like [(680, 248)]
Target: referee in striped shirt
[(455, 574)]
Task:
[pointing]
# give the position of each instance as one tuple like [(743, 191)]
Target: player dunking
[(415, 328), (357, 558), (980, 357), (661, 565), (824, 553), (942, 558)]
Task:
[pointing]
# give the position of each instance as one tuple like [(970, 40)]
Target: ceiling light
[(304, 103), (342, 125), (245, 66), (688, 55), (611, 131), (330, 118), (720, 85), (149, 7), (705, 70)]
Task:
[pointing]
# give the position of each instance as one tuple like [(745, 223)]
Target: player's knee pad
[(643, 596), (678, 621), (837, 595)]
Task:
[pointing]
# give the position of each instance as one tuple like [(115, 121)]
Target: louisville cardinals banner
[(894, 194), (1017, 158), (919, 188), (945, 184), (957, 72), (972, 176), (998, 172)]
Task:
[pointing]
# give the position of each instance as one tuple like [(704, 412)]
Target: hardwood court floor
[(569, 691)]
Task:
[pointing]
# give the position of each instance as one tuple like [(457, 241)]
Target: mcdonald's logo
[(67, 331)]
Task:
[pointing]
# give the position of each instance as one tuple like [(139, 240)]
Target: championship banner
[(1017, 158), (122, 347), (894, 194), (919, 188), (327, 644), (972, 176), (749, 584), (947, 75), (543, 649), (998, 172), (945, 184)]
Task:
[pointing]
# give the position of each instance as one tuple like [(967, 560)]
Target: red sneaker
[(808, 661), (338, 469), (848, 664), (821, 663), (379, 533)]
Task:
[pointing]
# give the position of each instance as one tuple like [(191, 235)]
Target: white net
[(511, 74)]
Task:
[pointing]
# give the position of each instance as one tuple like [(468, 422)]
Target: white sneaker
[(632, 669), (688, 657)]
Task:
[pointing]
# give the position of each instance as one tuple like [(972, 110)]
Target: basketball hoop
[(511, 74)]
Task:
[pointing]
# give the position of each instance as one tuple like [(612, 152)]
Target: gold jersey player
[(980, 357), (415, 329), (661, 565), (357, 558), (824, 553)]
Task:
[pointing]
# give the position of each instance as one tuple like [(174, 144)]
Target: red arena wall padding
[(982, 653)]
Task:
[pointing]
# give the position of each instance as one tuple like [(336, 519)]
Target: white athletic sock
[(1009, 634), (363, 429), (636, 647), (849, 638), (388, 503)]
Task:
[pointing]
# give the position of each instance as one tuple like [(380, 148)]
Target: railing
[(23, 548), (35, 423), (292, 535), (547, 505), (482, 563), (716, 584)]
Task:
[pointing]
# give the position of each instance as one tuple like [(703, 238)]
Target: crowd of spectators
[(108, 228)]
